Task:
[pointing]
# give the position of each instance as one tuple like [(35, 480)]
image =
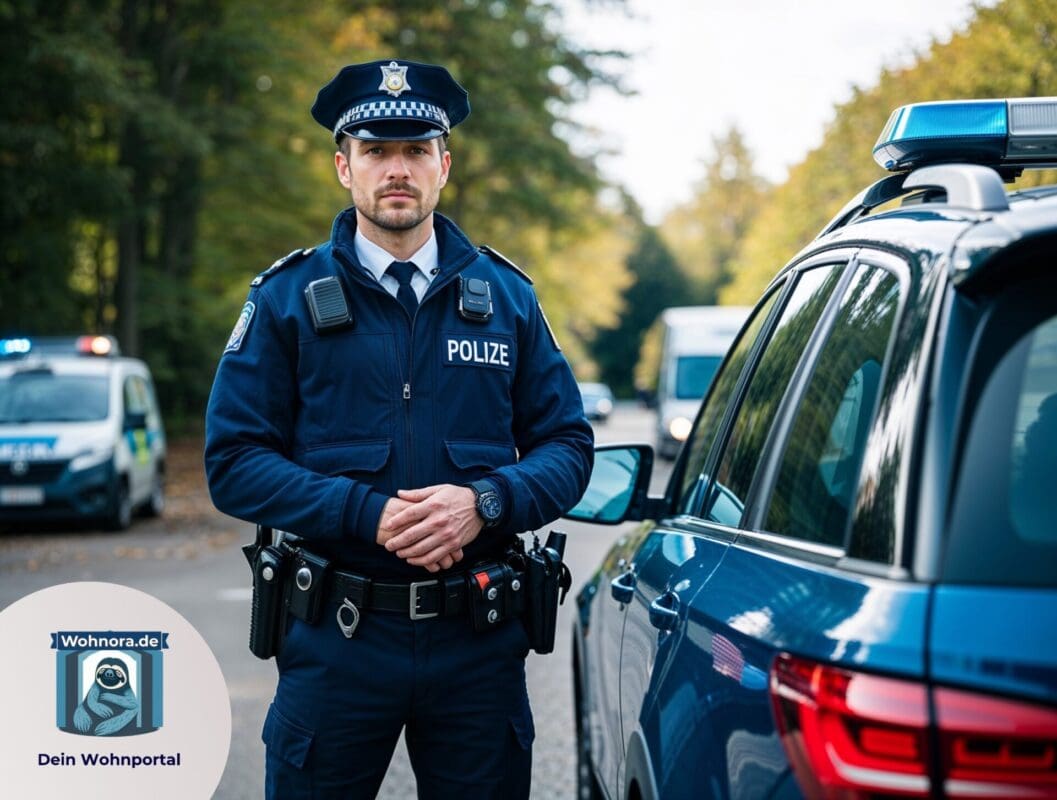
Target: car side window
[(135, 395), (1003, 527), (726, 498), (819, 471), (711, 417)]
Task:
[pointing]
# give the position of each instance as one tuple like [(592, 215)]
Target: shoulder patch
[(550, 330), (285, 261), (242, 324), (502, 259)]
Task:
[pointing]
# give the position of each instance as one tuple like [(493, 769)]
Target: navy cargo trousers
[(341, 705)]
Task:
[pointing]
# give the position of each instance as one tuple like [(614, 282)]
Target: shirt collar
[(377, 259)]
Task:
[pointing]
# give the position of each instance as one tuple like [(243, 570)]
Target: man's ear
[(445, 162), (341, 165)]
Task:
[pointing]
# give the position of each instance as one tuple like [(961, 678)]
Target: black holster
[(548, 582), (269, 562)]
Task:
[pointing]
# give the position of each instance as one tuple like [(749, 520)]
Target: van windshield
[(693, 374), (42, 396)]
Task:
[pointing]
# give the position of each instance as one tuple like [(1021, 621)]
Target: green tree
[(1005, 51), (658, 284), (155, 155), (705, 232)]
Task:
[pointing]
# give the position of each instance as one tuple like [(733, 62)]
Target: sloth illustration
[(110, 704)]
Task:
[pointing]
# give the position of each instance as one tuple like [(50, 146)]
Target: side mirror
[(618, 486), (135, 420)]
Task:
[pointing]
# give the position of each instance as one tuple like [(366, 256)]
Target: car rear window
[(1004, 519)]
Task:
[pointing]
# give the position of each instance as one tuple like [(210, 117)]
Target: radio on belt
[(475, 299)]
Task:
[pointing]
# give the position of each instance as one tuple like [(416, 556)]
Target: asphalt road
[(190, 560)]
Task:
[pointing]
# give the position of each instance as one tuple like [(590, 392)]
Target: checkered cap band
[(392, 109)]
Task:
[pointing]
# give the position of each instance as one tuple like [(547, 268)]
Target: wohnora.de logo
[(108, 683)]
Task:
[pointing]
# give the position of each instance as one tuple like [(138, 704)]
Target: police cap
[(391, 100)]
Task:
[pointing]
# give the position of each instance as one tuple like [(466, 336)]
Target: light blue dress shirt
[(377, 260)]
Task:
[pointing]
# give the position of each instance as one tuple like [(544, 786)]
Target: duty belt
[(440, 597), (290, 581), (488, 593)]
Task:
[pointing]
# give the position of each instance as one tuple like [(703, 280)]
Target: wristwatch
[(488, 501)]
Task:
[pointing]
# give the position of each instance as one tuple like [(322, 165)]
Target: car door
[(602, 660), (795, 451), (672, 715), (667, 567)]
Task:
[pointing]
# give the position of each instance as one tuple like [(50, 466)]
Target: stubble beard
[(398, 219)]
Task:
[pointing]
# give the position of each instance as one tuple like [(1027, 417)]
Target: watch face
[(490, 506)]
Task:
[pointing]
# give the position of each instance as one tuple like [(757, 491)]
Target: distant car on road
[(598, 401), (81, 435), (849, 586)]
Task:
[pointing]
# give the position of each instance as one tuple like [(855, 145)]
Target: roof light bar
[(1016, 133)]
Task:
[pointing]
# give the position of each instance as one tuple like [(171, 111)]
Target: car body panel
[(1012, 658), (758, 603)]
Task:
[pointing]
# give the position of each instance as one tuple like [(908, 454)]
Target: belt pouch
[(304, 593), (266, 612), (487, 588)]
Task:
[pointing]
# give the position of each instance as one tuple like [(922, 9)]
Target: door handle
[(664, 611), (622, 587)]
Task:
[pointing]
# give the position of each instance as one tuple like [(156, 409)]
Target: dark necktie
[(402, 271)]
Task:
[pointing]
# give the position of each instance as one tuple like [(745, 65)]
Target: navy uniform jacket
[(312, 433)]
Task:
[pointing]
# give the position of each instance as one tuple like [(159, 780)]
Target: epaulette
[(285, 261), (502, 259)]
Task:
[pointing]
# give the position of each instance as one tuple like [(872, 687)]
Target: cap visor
[(394, 130)]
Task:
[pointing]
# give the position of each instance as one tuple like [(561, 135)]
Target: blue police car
[(849, 587)]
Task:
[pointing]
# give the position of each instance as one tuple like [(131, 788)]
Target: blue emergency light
[(1014, 134), (14, 347)]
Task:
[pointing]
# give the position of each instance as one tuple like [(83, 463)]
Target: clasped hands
[(429, 527)]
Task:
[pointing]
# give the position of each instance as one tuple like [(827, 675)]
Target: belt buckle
[(415, 613)]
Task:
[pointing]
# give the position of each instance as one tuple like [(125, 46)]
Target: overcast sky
[(775, 68)]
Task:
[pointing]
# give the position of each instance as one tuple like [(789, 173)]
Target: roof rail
[(968, 186), (872, 196)]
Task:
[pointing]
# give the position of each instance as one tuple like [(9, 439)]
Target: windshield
[(693, 374), (42, 396)]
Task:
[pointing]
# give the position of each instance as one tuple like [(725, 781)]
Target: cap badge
[(394, 79)]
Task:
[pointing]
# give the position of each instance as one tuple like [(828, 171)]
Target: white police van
[(81, 436)]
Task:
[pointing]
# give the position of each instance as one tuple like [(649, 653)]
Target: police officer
[(396, 398)]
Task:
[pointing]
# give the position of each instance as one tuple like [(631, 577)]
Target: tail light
[(854, 735), (850, 734), (994, 747)]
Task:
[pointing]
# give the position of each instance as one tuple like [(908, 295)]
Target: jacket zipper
[(432, 289)]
